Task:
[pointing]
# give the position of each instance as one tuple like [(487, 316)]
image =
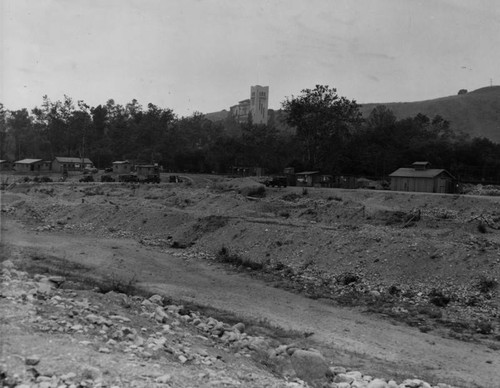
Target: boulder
[(343, 378), (160, 315), (44, 288), (32, 360), (377, 383), (335, 370), (240, 326), (91, 373), (309, 366), (57, 280), (7, 264), (156, 299)]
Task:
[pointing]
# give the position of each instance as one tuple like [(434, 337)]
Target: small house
[(122, 167), (247, 171), (421, 178), (61, 164), (29, 165), (5, 165), (308, 179), (147, 169)]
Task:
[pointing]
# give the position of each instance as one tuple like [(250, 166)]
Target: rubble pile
[(158, 344)]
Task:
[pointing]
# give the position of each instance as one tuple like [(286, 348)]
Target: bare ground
[(129, 231)]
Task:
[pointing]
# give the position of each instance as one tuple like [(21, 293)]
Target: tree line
[(317, 130)]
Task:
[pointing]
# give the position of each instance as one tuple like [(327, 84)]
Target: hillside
[(476, 113)]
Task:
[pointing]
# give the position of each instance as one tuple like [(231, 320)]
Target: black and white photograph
[(249, 194)]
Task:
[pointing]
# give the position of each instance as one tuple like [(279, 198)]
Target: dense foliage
[(316, 130)]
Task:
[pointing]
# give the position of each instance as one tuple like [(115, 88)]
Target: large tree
[(323, 121)]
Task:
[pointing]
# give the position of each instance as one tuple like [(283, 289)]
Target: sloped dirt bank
[(345, 336), (413, 264)]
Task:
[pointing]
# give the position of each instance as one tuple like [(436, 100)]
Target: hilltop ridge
[(476, 113)]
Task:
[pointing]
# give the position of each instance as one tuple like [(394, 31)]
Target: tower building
[(259, 100), (256, 106)]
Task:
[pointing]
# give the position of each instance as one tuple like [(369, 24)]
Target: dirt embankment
[(429, 261)]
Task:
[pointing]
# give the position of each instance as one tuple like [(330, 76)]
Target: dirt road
[(369, 342)]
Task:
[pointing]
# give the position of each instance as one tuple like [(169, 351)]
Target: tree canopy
[(329, 136), (323, 121)]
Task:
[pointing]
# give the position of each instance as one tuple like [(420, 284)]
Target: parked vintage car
[(278, 181), (88, 170), (154, 178), (127, 178), (87, 178), (107, 178), (174, 179)]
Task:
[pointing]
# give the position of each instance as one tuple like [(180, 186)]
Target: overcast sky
[(203, 55)]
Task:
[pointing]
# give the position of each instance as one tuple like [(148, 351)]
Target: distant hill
[(217, 116), (476, 113)]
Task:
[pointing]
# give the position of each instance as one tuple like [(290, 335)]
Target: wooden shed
[(31, 165), (147, 169), (421, 178), (307, 178), (122, 167)]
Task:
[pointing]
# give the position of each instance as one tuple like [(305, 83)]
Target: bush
[(291, 197), (347, 278), (439, 299), (487, 284), (225, 256), (394, 290), (116, 284), (484, 327), (430, 311), (481, 227)]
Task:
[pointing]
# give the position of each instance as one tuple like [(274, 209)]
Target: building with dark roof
[(421, 178), (32, 165), (61, 164)]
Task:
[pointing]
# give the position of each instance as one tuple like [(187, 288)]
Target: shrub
[(481, 227), (291, 197), (487, 284), (437, 298), (394, 290), (430, 311), (117, 284), (347, 278), (279, 266), (484, 327), (225, 256)]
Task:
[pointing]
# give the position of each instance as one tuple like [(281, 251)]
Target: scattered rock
[(91, 373), (32, 360), (164, 379)]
